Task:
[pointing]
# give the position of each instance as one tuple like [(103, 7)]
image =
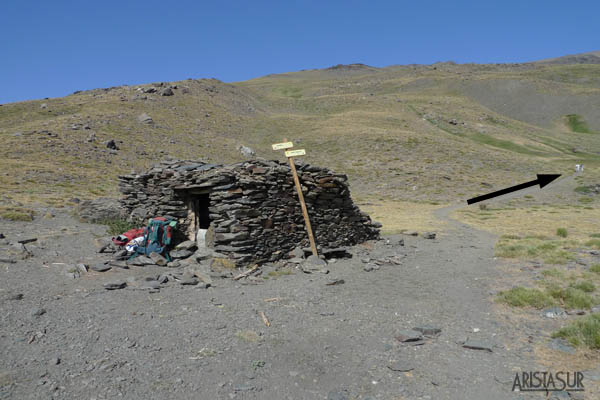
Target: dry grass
[(535, 221), (382, 127), (16, 214), (398, 216)]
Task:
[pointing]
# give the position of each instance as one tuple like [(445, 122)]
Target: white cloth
[(201, 238), (133, 244)]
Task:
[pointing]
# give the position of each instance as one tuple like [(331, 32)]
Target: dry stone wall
[(254, 211)]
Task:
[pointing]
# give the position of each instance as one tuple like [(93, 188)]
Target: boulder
[(158, 259), (101, 209), (145, 119), (246, 151)]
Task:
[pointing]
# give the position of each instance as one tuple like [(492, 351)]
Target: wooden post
[(290, 156), (311, 238)]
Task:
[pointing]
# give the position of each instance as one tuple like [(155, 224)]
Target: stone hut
[(250, 210)]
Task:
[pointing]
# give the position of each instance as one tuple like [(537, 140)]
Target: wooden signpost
[(290, 154)]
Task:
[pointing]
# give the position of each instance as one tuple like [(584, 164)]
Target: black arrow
[(542, 180)]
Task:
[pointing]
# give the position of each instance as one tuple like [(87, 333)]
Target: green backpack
[(157, 237)]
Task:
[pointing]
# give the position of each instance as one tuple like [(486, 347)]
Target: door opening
[(201, 204)]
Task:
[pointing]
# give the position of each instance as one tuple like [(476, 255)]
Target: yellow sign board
[(295, 153), (282, 146)]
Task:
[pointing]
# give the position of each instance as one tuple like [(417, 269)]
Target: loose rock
[(428, 330), (145, 119), (477, 345), (115, 285), (158, 259), (401, 366), (100, 267), (409, 336)]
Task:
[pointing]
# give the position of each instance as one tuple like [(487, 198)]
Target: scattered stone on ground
[(38, 312), (100, 267), (140, 261), (145, 119), (401, 366), (158, 259), (115, 285), (409, 336), (428, 330), (562, 345), (111, 144), (477, 345), (101, 209), (246, 151), (429, 235), (553, 312)]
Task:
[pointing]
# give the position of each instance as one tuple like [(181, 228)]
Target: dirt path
[(324, 342)]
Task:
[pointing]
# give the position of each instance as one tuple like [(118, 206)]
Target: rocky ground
[(407, 317)]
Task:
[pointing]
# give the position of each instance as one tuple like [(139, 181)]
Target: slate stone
[(243, 388), (145, 119), (140, 261), (187, 245), (334, 395), (100, 209), (297, 253), (428, 330), (409, 336), (189, 281), (100, 267), (315, 261), (158, 259), (38, 312), (562, 345), (371, 267), (553, 312), (180, 254), (82, 268), (477, 345), (119, 264), (115, 285), (152, 284), (401, 366)]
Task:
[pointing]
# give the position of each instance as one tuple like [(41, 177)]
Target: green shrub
[(572, 297), (118, 226), (585, 331), (562, 232), (577, 124), (584, 286), (555, 273), (595, 268), (595, 243), (526, 297), (583, 189)]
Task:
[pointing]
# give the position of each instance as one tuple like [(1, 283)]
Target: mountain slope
[(414, 132)]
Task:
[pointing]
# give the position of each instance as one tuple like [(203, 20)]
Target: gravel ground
[(70, 338)]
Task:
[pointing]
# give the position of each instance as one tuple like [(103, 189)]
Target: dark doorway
[(201, 204)]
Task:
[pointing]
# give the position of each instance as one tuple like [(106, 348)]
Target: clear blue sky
[(52, 48)]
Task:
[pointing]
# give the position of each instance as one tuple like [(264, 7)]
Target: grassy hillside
[(429, 133)]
